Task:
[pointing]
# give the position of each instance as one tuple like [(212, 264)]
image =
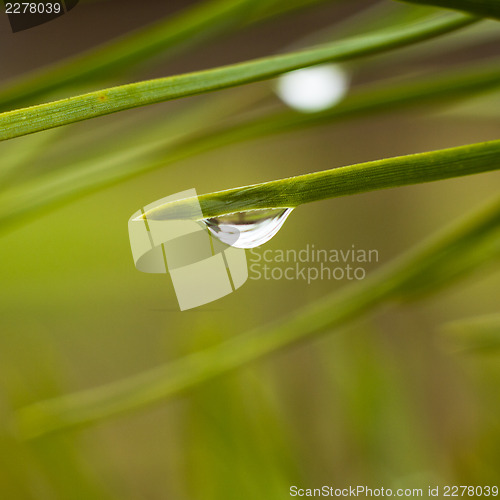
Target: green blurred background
[(384, 402)]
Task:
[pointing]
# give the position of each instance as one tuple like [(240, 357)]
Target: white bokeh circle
[(313, 89)]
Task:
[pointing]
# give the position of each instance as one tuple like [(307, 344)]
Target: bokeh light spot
[(313, 89)]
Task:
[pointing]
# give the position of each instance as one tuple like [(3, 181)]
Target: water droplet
[(248, 229)]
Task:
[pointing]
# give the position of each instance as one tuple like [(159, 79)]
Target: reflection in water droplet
[(248, 229)]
